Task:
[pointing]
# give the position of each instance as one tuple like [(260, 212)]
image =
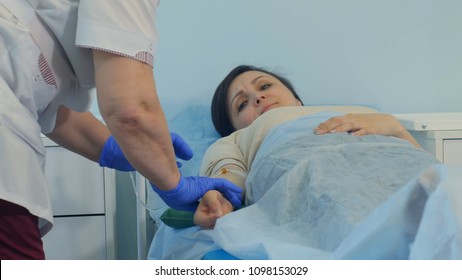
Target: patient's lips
[(269, 107)]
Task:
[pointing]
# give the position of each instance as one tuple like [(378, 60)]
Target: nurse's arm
[(81, 133), (130, 107)]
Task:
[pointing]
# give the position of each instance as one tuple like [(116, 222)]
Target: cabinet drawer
[(452, 151), (76, 183), (76, 238)]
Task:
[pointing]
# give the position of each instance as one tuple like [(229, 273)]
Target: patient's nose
[(259, 99)]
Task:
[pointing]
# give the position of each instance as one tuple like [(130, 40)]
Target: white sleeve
[(122, 27)]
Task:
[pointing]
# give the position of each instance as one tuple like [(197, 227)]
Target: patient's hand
[(363, 124), (212, 206)]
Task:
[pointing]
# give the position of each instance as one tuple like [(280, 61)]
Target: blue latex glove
[(185, 196), (111, 156), (182, 149)]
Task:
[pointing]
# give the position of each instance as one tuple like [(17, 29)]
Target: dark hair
[(220, 113)]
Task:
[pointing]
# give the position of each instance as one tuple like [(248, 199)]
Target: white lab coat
[(46, 61)]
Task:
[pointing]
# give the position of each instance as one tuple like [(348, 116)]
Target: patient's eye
[(265, 86), (241, 106)]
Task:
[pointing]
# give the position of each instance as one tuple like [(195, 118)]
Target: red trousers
[(19, 234)]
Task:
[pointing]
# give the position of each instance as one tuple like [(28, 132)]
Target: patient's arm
[(363, 124), (212, 206)]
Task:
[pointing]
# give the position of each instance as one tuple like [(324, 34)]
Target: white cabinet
[(83, 200), (438, 133), (452, 150)]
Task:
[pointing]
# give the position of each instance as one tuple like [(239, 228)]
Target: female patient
[(250, 95)]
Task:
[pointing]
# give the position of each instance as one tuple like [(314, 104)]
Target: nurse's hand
[(211, 207), (186, 195), (182, 149), (112, 156)]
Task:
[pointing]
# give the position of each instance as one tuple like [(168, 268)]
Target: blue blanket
[(317, 197)]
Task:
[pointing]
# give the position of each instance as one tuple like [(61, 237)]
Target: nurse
[(52, 54)]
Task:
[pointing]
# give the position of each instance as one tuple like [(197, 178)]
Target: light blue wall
[(396, 55)]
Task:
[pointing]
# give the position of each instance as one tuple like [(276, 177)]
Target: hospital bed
[(421, 220)]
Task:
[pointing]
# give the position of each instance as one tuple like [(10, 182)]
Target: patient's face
[(254, 93)]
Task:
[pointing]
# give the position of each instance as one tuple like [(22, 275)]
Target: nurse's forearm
[(128, 102), (79, 132)]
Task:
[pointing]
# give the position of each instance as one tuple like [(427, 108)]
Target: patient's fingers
[(214, 208), (212, 200), (358, 124), (364, 124), (204, 221), (360, 132), (327, 126), (204, 218), (210, 209), (335, 124)]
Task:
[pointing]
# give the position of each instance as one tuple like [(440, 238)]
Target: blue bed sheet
[(219, 255)]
